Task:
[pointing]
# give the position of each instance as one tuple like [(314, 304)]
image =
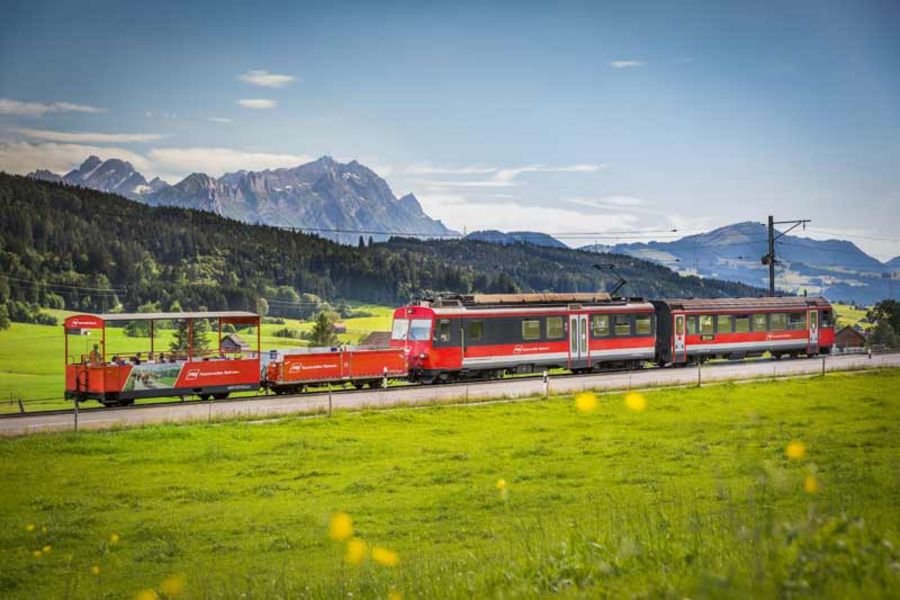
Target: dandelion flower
[(395, 595), (340, 527), (586, 402), (172, 585), (95, 570), (44, 529), (114, 538), (385, 557), (146, 595), (30, 527), (795, 450), (635, 402), (356, 551), (46, 549), (501, 484), (811, 484), (37, 554)]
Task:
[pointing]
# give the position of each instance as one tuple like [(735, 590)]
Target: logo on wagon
[(192, 374), (295, 368)]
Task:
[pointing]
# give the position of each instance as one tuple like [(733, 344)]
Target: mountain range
[(516, 237), (838, 269), (324, 197)]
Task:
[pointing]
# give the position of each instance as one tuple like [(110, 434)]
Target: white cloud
[(24, 157), (608, 202), (626, 64), (217, 161), (39, 109), (219, 119), (428, 169), (87, 137), (265, 79), (257, 103), (499, 177)]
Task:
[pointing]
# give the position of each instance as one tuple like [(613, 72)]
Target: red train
[(451, 338)]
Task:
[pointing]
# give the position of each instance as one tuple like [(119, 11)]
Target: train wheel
[(204, 397), (359, 384), (220, 395)]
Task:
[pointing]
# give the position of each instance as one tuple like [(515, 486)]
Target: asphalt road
[(274, 406)]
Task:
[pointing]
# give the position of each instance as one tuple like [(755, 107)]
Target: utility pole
[(769, 259)]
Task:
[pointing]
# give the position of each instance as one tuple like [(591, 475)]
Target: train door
[(813, 332), (679, 347), (578, 342)]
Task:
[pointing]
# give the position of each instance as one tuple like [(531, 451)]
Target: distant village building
[(233, 343), (340, 328), (849, 338)]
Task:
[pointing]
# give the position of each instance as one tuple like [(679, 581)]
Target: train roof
[(524, 300), (740, 303), (166, 316)]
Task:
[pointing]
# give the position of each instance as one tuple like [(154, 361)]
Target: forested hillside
[(74, 248)]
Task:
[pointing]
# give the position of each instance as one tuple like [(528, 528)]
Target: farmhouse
[(848, 337)]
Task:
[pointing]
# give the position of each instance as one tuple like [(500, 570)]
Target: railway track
[(261, 406)]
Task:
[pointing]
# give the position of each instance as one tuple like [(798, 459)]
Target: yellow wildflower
[(46, 549), (146, 595), (586, 402), (95, 570), (635, 401), (172, 585), (811, 484), (340, 527), (795, 450), (30, 527), (395, 595), (385, 557), (114, 538), (501, 484), (37, 554), (356, 551)]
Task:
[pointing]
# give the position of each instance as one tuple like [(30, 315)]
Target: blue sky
[(559, 117)]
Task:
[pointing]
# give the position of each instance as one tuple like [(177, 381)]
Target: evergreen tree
[(4, 317), (323, 333), (199, 337)]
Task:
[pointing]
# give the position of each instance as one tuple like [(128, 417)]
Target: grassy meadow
[(31, 356), (778, 489)]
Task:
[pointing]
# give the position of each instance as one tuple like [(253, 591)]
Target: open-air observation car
[(118, 379)]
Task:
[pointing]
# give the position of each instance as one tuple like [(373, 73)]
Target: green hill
[(79, 249)]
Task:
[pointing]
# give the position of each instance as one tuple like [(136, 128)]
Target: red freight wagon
[(457, 337), (293, 370), (118, 379), (698, 329)]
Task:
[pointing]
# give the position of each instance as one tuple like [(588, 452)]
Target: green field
[(847, 315), (31, 356), (693, 497)]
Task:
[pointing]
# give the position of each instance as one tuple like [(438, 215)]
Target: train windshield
[(413, 330)]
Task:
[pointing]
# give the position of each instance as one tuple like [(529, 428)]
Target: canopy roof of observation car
[(86, 321), (784, 302)]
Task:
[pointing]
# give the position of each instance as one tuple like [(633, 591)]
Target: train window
[(642, 325), (554, 328), (420, 329), (600, 325), (826, 319), (742, 323), (400, 329), (442, 331), (778, 321), (706, 324), (759, 323), (623, 325), (531, 329), (692, 325), (723, 323), (475, 329), (797, 321)]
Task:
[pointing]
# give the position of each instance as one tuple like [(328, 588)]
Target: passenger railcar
[(694, 330), (458, 337)]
